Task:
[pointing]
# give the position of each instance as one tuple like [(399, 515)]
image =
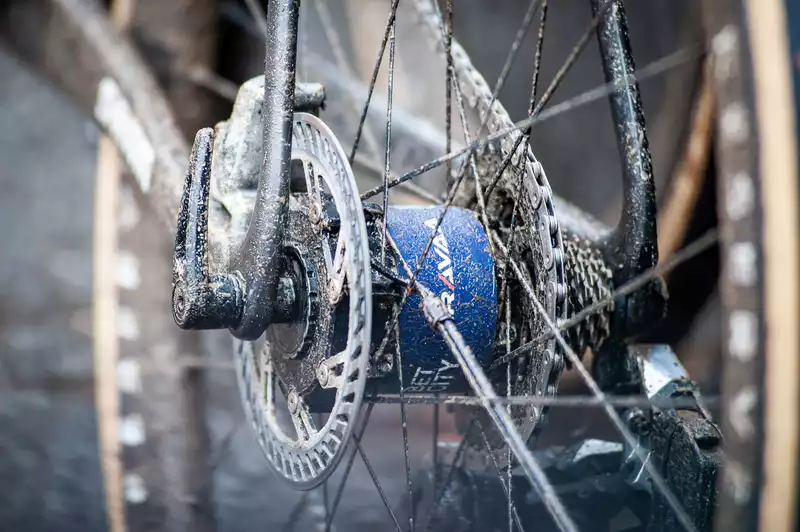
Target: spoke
[(484, 390), (514, 214), (448, 50), (537, 61), (332, 34), (573, 57), (512, 53), (404, 423), (387, 154), (703, 243), (448, 89), (350, 461), (531, 107), (576, 52), (681, 515), (657, 68), (388, 273), (508, 409), (473, 163), (462, 445), (381, 50), (435, 450), (295, 513), (512, 509), (257, 12), (446, 29), (204, 77), (409, 186), (374, 477), (448, 202), (438, 316), (566, 401)]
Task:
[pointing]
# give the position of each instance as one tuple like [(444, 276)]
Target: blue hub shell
[(460, 269)]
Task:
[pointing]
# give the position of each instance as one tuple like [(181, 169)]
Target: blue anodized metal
[(460, 269)]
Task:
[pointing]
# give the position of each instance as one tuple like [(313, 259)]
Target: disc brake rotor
[(285, 376)]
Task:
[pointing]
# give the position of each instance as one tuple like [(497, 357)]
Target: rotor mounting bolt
[(292, 401), (335, 294), (323, 375)]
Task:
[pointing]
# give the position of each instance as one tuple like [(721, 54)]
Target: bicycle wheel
[(304, 464), (757, 286)]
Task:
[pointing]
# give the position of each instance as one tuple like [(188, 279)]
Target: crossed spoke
[(341, 61), (357, 443), (348, 467), (498, 407), (513, 516), (387, 34), (483, 388), (565, 401), (700, 245), (227, 89), (459, 454), (669, 62), (658, 479)]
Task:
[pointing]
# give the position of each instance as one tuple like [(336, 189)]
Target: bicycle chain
[(536, 209)]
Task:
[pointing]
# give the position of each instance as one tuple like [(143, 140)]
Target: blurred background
[(51, 476)]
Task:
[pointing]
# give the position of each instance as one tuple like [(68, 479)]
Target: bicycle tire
[(754, 78)]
